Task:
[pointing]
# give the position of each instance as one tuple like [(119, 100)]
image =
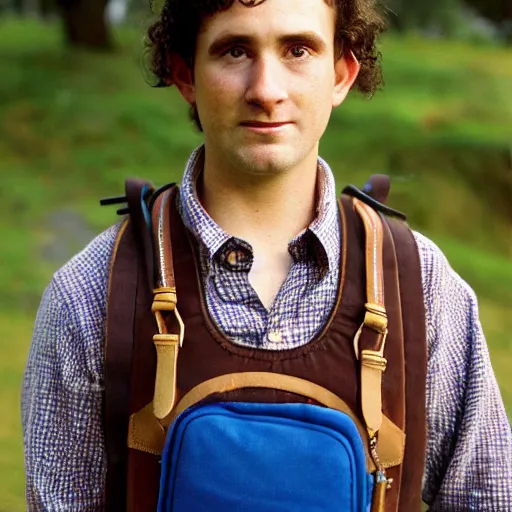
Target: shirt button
[(275, 337), (231, 258)]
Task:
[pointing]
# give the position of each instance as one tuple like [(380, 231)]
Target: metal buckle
[(181, 333), (165, 300), (376, 352), (162, 329)]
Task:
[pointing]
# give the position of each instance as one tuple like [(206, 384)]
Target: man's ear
[(346, 70), (181, 75)]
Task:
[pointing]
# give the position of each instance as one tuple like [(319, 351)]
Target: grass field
[(74, 125)]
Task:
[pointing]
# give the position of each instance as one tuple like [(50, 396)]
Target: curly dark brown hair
[(358, 26)]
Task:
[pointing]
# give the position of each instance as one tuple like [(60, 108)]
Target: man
[(262, 79)]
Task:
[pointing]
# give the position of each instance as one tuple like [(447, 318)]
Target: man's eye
[(298, 51), (236, 52)]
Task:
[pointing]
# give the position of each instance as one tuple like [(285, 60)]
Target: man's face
[(265, 82)]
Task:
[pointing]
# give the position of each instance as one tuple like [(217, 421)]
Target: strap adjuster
[(375, 319), (167, 346), (165, 300)]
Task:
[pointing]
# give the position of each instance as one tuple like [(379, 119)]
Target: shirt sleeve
[(61, 415), (469, 443)]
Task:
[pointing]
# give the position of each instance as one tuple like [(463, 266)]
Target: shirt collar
[(325, 225), (194, 216), (324, 228)]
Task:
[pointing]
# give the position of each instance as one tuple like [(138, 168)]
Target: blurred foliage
[(425, 14), (466, 19), (73, 125), (84, 20), (499, 11)]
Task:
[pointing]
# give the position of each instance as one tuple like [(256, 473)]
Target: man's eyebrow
[(312, 39), (227, 40)]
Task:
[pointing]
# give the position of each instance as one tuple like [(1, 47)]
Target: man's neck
[(261, 209), (267, 212)]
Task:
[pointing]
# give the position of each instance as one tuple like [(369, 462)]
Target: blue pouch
[(256, 457)]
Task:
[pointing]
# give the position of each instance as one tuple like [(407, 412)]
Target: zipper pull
[(379, 492), (382, 483)]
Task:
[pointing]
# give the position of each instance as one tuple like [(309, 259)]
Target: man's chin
[(266, 160)]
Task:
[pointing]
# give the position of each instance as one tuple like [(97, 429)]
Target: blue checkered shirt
[(469, 446)]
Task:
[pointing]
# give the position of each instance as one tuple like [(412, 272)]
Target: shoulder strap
[(415, 355), (414, 334), (122, 291), (131, 250), (156, 327), (369, 344)]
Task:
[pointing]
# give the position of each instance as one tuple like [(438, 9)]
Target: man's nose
[(267, 83)]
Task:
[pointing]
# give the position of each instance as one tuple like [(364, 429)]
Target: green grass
[(15, 331), (73, 125)]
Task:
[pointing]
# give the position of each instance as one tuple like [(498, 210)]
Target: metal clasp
[(376, 352), (375, 319), (165, 300)]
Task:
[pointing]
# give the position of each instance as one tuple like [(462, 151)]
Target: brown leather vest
[(328, 360)]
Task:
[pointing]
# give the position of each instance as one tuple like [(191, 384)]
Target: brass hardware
[(167, 346), (379, 494), (181, 333), (379, 353), (375, 318), (165, 300), (382, 483)]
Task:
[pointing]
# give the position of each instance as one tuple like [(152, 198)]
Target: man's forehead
[(270, 16)]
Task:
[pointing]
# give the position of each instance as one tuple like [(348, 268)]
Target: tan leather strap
[(164, 303), (371, 338), (369, 346), (166, 373), (230, 382), (147, 434), (161, 221), (373, 249)]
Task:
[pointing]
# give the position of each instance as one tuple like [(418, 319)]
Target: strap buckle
[(167, 346), (372, 365), (165, 300), (375, 318)]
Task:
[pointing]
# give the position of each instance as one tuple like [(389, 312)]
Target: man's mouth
[(264, 124), (265, 127)]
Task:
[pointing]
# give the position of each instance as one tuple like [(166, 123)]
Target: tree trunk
[(84, 23), (24, 7), (19, 7), (47, 9)]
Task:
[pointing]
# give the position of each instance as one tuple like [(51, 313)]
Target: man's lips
[(265, 128), (260, 124)]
